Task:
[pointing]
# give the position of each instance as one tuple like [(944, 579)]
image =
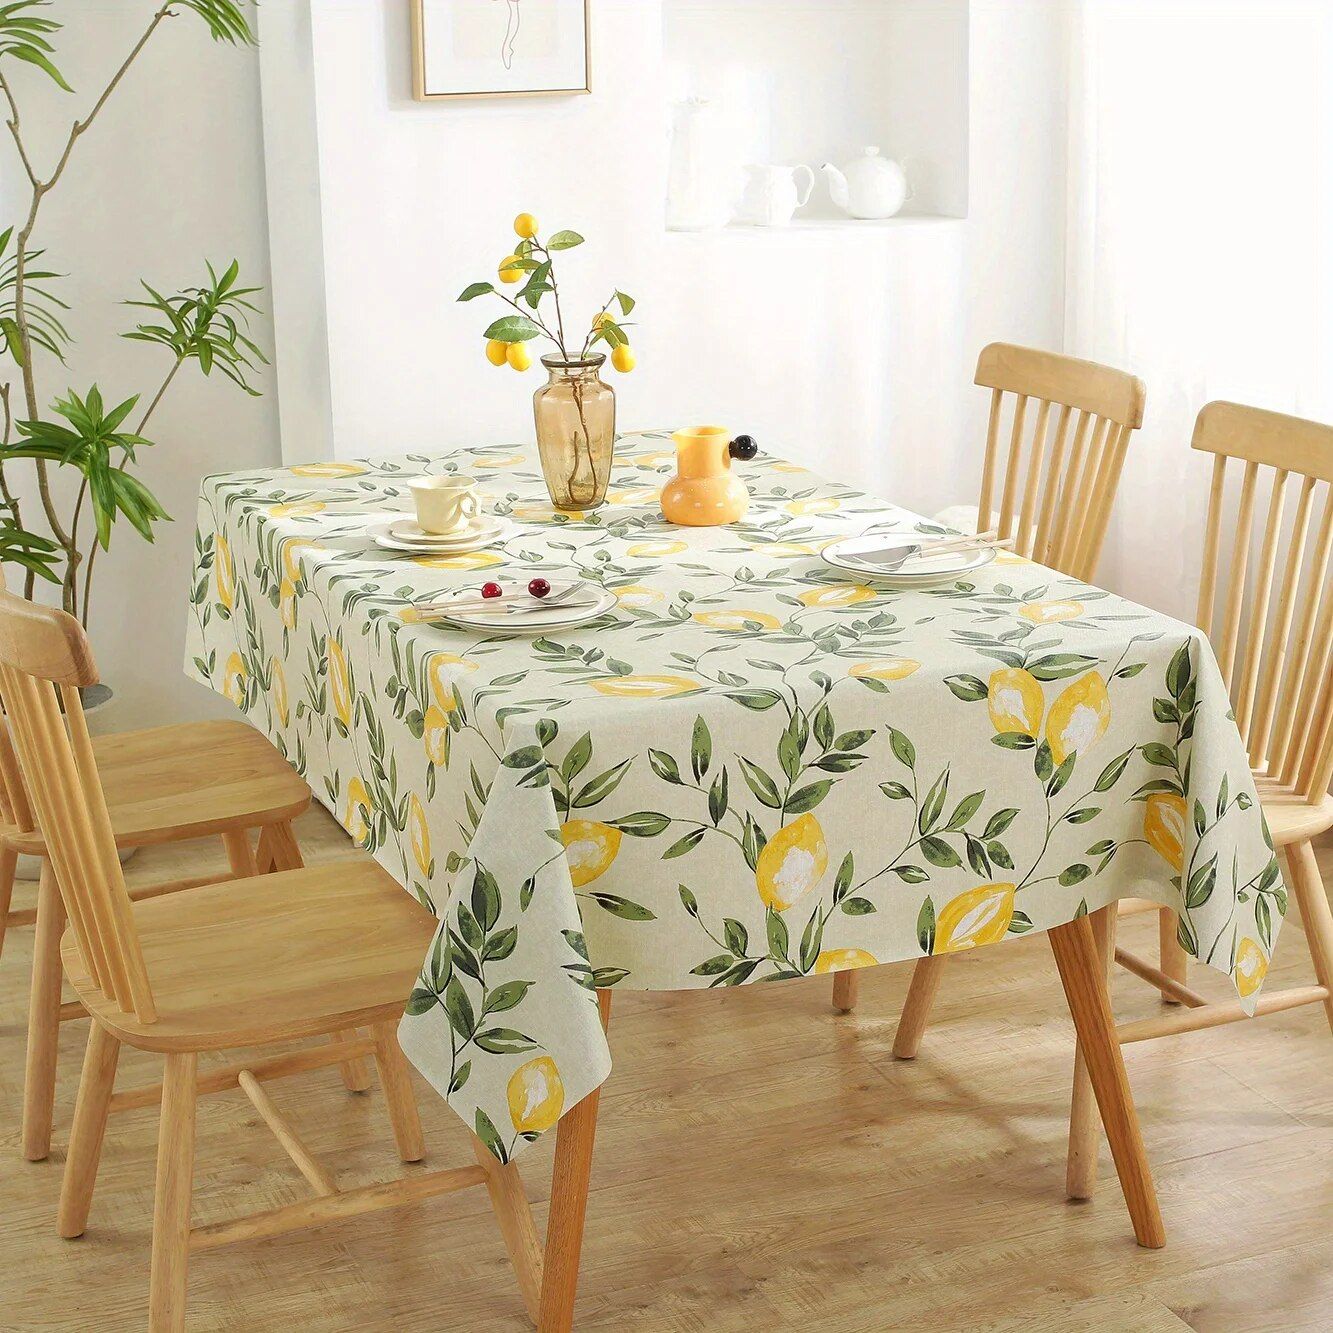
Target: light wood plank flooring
[(761, 1164)]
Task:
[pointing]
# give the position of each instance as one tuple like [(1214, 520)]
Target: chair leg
[(1307, 884), (398, 1096), (846, 986), (8, 863), (1085, 1130), (1175, 961), (39, 1084), (574, 1139), (1084, 984), (171, 1205), (514, 1216), (916, 1008), (85, 1139), (240, 855)]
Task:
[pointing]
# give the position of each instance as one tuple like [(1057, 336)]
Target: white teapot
[(869, 186), (772, 194)]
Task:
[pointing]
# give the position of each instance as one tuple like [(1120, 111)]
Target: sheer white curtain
[(1199, 245)]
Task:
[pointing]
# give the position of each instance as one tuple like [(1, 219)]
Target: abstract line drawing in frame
[(500, 48)]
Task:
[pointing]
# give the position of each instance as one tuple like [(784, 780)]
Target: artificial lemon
[(1079, 717), (518, 356), (600, 319), (589, 848), (1251, 967), (420, 834), (1164, 827), (497, 353), (843, 594), (844, 960), (1016, 701), (645, 687), (792, 863), (737, 620), (891, 668), (623, 358), (340, 684), (224, 574), (233, 680), (634, 594), (525, 225), (435, 735), (979, 916), (356, 820), (278, 691), (536, 1095), (328, 470), (1048, 613), (301, 509), (510, 270)]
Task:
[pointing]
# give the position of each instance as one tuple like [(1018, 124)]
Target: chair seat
[(169, 784), (250, 961), (1290, 817)]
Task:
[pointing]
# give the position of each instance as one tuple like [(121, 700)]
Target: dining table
[(753, 767)]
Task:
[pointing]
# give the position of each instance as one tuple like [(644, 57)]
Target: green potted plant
[(575, 410)]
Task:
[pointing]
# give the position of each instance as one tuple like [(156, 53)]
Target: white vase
[(697, 194)]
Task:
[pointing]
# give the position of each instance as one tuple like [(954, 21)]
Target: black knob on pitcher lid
[(744, 447)]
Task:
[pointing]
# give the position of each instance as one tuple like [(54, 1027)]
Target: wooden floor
[(762, 1164)]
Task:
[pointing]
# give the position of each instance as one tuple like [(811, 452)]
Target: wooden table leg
[(569, 1202), (846, 985), (1081, 974), (916, 1008), (1174, 959), (39, 1082), (1085, 1129)]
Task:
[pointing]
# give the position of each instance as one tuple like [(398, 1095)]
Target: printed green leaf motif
[(735, 935), (622, 907), (486, 1132), (925, 926), (970, 689), (701, 749), (778, 940), (902, 748), (761, 784), (806, 798), (642, 824), (858, 907)]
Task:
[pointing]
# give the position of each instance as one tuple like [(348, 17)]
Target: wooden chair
[(1052, 494), (165, 784), (247, 963), (1273, 632)]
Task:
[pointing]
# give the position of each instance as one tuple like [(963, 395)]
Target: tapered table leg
[(1085, 1129)]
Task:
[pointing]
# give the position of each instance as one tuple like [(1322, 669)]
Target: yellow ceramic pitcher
[(704, 492)]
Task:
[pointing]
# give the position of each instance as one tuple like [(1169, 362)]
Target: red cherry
[(491, 590), (539, 587)]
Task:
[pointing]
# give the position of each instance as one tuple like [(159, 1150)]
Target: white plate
[(498, 529), (916, 571), (407, 529), (511, 615)]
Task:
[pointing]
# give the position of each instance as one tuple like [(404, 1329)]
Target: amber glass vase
[(576, 431)]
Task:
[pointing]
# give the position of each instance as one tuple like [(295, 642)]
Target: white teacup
[(445, 505)]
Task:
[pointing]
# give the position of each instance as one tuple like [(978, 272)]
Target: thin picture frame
[(420, 88)]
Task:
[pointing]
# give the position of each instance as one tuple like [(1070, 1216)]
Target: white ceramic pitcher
[(772, 194)]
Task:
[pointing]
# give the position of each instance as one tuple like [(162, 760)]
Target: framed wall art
[(500, 48)]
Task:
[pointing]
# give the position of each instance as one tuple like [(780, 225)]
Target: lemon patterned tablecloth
[(753, 768)]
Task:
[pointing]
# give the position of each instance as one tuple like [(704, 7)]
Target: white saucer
[(512, 616), (478, 534), (919, 570), (407, 529)]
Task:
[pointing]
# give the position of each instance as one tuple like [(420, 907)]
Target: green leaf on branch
[(564, 240), (474, 290), (513, 329)]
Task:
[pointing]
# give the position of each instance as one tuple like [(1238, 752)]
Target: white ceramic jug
[(772, 194), (870, 186)]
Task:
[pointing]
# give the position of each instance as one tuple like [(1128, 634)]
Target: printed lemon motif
[(546, 513), (843, 960), (633, 495), (783, 550), (658, 458), (843, 594), (589, 848), (442, 667), (979, 916), (635, 594), (473, 560), (536, 1096), (819, 505), (278, 692), (340, 687), (792, 863), (224, 574), (233, 680), (435, 735), (328, 470), (1164, 827), (287, 602), (291, 558), (891, 668), (738, 620), (357, 818), (645, 687), (1251, 967), (1015, 700), (1048, 613), (786, 467), (512, 460), (416, 823), (302, 509), (1079, 717), (657, 549)]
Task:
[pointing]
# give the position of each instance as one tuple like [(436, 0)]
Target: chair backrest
[(44, 659), (1279, 670), (1055, 489)]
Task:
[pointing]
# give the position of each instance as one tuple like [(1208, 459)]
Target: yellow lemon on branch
[(497, 353), (525, 225)]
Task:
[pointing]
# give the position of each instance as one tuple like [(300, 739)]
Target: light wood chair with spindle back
[(246, 963), (1272, 627), (164, 784), (1048, 482)]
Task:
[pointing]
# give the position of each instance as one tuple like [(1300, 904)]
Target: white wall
[(170, 173)]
